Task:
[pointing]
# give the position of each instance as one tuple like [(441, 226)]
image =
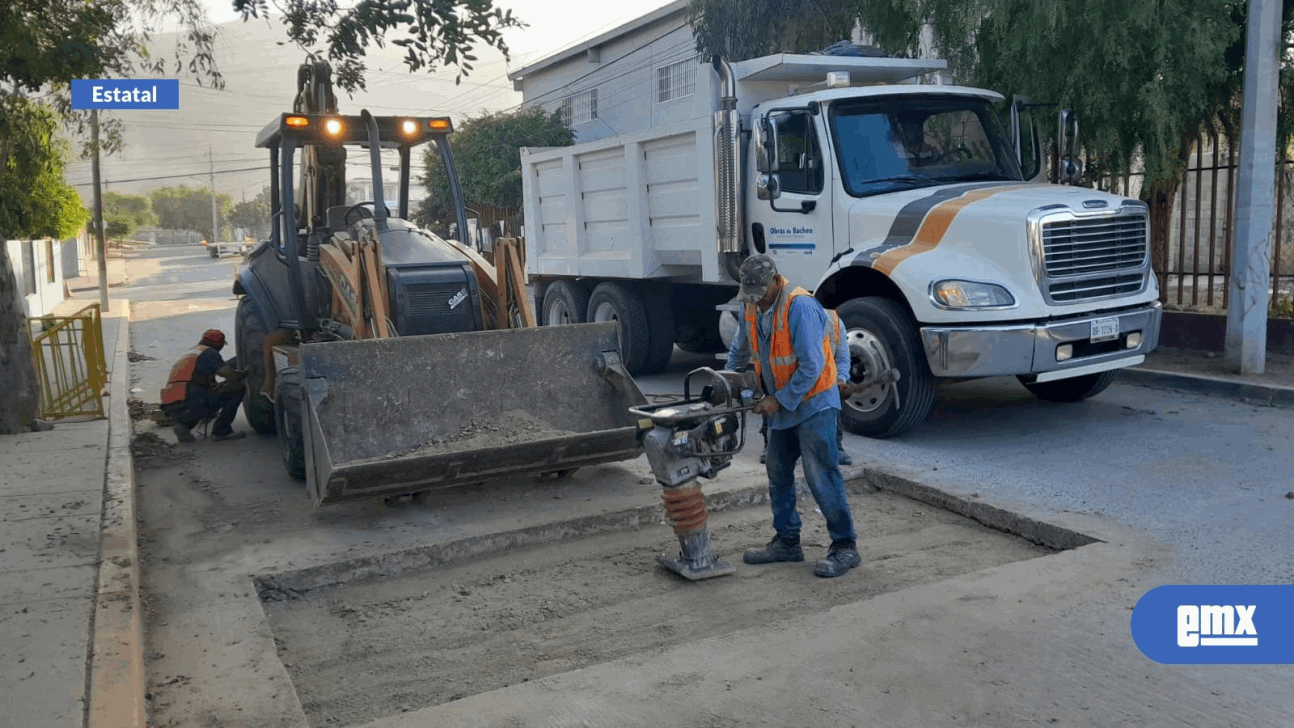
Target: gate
[(70, 363)]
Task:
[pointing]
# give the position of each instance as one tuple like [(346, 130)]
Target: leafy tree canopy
[(254, 214), (123, 214), (31, 161), (187, 208), (487, 153)]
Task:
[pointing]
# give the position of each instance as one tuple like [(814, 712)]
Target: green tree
[(37, 202), (742, 29), (487, 154), (254, 214), (187, 208), (124, 214)]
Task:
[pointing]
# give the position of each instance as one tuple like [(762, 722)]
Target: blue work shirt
[(807, 321)]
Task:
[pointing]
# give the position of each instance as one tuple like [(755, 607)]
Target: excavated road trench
[(363, 650)]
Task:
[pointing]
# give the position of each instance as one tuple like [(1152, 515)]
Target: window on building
[(49, 261), (580, 108), (676, 81)]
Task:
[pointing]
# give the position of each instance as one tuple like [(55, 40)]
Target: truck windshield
[(894, 143)]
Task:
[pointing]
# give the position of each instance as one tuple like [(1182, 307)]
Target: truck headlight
[(970, 294)]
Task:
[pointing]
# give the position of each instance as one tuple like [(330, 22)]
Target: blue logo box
[(1216, 625), (112, 93)]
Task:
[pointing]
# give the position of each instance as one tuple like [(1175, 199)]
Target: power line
[(171, 176)]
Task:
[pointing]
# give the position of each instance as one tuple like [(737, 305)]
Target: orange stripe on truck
[(935, 226)]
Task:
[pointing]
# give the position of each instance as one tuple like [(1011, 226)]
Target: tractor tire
[(660, 335), (288, 399), (1074, 389), (249, 339), (613, 301), (565, 302), (874, 413)]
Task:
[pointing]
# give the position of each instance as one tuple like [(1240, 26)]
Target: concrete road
[(1181, 489)]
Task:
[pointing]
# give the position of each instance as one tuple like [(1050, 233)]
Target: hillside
[(260, 75)]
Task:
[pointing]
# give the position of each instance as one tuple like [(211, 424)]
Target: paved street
[(1178, 488)]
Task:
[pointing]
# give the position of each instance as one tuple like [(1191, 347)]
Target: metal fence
[(1195, 275), (70, 363)]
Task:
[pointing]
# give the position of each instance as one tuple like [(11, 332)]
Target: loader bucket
[(410, 414)]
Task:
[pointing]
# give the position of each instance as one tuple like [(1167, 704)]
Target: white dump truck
[(916, 211)]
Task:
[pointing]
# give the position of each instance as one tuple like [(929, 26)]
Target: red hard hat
[(215, 336)]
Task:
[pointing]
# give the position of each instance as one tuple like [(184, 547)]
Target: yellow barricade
[(70, 363)]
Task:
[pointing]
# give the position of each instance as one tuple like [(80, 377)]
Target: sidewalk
[(1206, 373), (60, 521)]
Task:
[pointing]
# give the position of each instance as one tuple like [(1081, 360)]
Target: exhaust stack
[(727, 168)]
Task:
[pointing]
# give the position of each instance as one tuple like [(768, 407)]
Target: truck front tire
[(875, 412), (614, 301), (249, 338), (1074, 389)]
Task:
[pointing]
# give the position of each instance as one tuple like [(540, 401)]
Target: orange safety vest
[(177, 384), (781, 356)]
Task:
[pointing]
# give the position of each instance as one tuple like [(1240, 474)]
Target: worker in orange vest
[(192, 393), (840, 345), (784, 336)]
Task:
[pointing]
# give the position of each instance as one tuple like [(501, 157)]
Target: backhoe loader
[(371, 353)]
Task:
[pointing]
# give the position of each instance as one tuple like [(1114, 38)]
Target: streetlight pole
[(98, 212), (215, 224), (1251, 255)]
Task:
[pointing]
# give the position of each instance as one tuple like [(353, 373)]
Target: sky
[(260, 80), (553, 24)]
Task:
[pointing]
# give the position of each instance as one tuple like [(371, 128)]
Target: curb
[(291, 584), (117, 676), (1268, 395)]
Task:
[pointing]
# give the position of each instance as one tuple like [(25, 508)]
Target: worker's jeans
[(814, 440), (204, 405)]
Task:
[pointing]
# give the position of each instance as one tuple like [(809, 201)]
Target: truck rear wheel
[(565, 302), (1074, 389), (700, 335), (287, 415), (613, 301), (882, 334), (249, 340), (660, 324)]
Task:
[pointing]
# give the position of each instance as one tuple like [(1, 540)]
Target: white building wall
[(33, 263), (623, 71)]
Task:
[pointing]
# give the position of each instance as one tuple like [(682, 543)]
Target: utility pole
[(98, 212), (1251, 255), (215, 225)]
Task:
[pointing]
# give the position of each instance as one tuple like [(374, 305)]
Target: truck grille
[(1097, 287), (1100, 257)]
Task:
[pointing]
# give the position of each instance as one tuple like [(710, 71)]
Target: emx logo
[(1210, 625), (1216, 624)]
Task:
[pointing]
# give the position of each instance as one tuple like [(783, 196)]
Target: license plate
[(1105, 329)]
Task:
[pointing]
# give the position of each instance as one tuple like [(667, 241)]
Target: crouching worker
[(192, 393)]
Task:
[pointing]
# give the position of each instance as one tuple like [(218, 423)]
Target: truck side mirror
[(766, 186), (765, 139), (1071, 168)]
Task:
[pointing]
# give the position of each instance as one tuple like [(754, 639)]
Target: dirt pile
[(151, 451), (510, 428)]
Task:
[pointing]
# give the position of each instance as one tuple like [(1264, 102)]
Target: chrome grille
[(1098, 257), (1097, 287)]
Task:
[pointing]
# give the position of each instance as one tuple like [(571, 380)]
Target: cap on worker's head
[(215, 337), (757, 273)]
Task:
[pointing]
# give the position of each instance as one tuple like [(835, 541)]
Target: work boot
[(182, 433), (777, 550), (842, 556), (228, 436)]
